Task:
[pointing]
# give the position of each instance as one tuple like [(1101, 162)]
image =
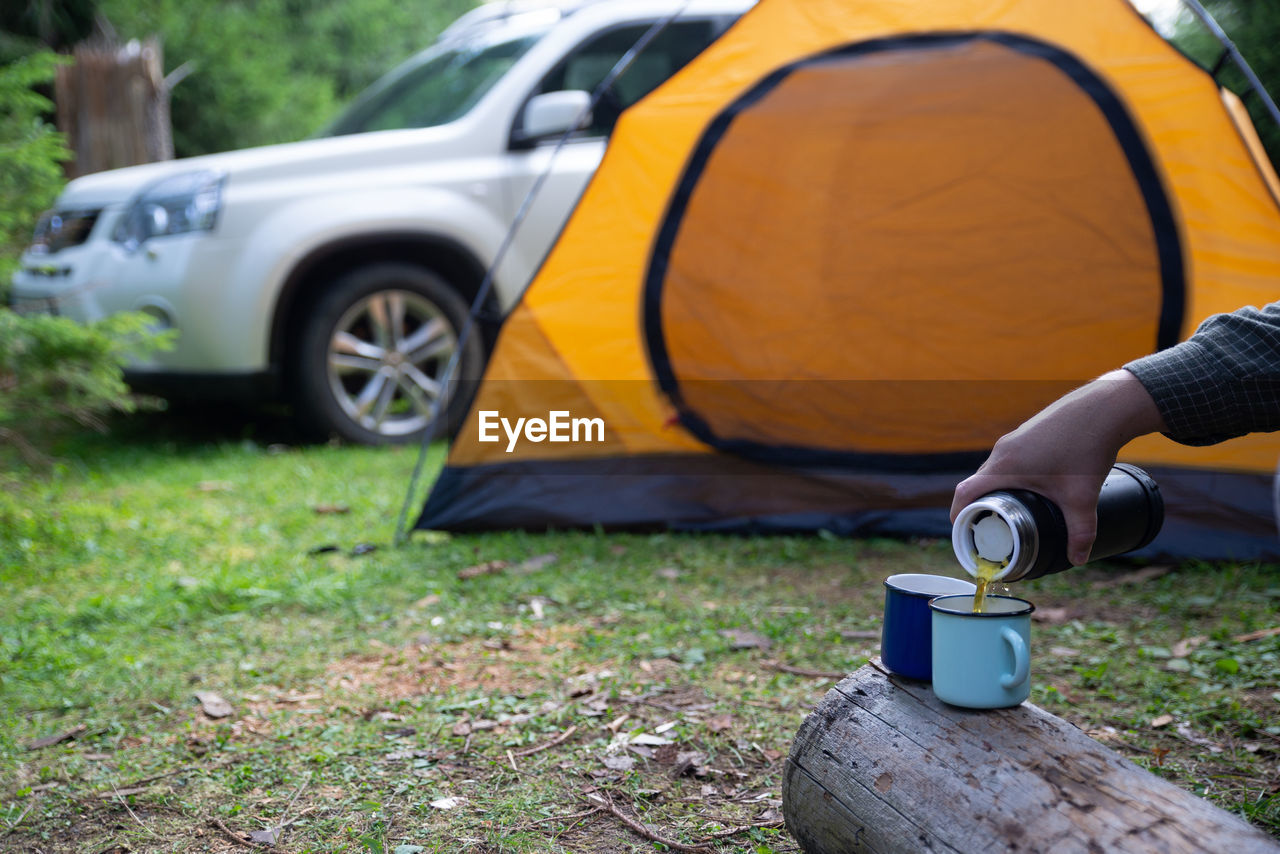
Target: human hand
[(1065, 451)]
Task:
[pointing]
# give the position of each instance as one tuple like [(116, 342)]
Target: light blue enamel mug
[(981, 661)]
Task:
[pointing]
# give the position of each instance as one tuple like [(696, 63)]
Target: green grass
[(173, 557)]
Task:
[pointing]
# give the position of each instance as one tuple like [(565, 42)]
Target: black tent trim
[(1164, 228), (708, 493)]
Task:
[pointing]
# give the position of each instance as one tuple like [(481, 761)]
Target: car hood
[(289, 160)]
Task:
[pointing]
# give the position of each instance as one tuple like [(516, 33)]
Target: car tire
[(372, 352)]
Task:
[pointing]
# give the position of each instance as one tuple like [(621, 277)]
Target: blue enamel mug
[(905, 645), (981, 661)]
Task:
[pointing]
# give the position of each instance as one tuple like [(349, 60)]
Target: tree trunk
[(883, 765), (113, 106)]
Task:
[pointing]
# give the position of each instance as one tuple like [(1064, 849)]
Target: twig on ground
[(802, 671), (13, 825), (237, 838), (571, 817), (538, 748), (734, 831), (512, 760), (152, 779), (642, 830), (284, 823), (138, 786), (132, 813)]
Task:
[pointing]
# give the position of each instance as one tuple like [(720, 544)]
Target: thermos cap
[(1000, 529)]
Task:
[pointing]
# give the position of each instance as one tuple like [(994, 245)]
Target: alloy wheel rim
[(386, 361)]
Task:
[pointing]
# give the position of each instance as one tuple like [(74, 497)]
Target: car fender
[(298, 231)]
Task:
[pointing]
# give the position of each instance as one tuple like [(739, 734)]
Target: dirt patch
[(517, 664)]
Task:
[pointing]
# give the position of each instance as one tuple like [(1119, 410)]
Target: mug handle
[(1021, 660)]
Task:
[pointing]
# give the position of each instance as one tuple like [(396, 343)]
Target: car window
[(436, 88), (588, 65)]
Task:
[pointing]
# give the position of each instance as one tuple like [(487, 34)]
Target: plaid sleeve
[(1221, 383)]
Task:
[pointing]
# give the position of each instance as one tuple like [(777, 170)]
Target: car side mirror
[(553, 113)]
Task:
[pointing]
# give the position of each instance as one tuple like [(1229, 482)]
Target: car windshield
[(434, 88)]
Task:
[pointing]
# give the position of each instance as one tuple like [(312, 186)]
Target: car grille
[(58, 230)]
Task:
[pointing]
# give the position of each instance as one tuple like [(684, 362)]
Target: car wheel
[(371, 358)]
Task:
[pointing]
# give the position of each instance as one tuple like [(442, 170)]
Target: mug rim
[(921, 594), (942, 609)]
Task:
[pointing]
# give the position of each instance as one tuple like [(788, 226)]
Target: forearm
[(1222, 382)]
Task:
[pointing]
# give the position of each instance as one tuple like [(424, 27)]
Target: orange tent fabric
[(827, 264)]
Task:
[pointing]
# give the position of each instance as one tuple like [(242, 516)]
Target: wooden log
[(882, 765)]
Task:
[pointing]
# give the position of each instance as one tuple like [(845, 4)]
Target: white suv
[(335, 273)]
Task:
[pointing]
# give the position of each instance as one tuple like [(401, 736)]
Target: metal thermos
[(1026, 531)]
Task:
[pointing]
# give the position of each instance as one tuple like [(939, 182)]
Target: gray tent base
[(1209, 515)]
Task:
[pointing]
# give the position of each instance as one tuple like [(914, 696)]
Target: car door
[(568, 169)]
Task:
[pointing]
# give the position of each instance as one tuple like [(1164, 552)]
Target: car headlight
[(175, 205)]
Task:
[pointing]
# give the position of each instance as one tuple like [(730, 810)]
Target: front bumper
[(185, 282)]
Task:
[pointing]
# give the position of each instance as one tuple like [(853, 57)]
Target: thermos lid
[(997, 528)]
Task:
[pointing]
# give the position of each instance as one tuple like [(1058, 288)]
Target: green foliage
[(1254, 27), (268, 71), (29, 24), (31, 152), (54, 370)]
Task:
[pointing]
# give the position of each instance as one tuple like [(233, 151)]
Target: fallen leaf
[(1051, 616), (1258, 635), (689, 762), (859, 634), (1162, 720), (408, 849), (670, 573), (327, 509), (1183, 648), (720, 723), (50, 740), (1136, 577), (299, 698), (269, 836), (770, 816), (213, 704), (651, 740), (489, 567), (533, 564), (446, 803), (1063, 652), (1159, 753), (427, 601), (1184, 729), (618, 550), (401, 732), (708, 790), (745, 639), (619, 763)]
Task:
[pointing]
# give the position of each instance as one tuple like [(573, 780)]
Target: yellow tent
[(828, 263)]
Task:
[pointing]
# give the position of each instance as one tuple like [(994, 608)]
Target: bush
[(54, 371), (31, 153)]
